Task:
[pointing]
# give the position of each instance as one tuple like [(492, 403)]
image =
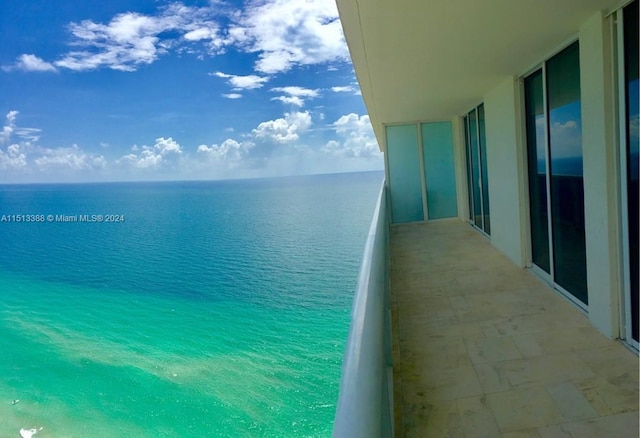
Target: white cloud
[(286, 33), (294, 95), (199, 34), (232, 96), (282, 33), (297, 91), (14, 158), (30, 62), (230, 151), (166, 146), (290, 100), (248, 82), (132, 39), (9, 126), (152, 156), (69, 158), (353, 89), (284, 130), (29, 134), (356, 136), (569, 135)]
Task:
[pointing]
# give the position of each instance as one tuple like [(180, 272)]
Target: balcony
[(456, 341), (482, 348)]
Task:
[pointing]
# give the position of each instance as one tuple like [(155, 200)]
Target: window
[(477, 179), (556, 190)]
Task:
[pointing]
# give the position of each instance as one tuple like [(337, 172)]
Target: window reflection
[(567, 188)]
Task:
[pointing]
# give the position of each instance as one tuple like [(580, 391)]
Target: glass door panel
[(437, 144), (537, 166), (475, 169), (483, 169), (469, 173), (632, 126), (567, 188), (554, 161), (405, 182)]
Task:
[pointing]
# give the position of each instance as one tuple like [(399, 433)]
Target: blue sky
[(158, 90)]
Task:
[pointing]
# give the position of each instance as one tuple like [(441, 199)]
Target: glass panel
[(475, 169), (633, 160), (483, 167), (536, 160), (567, 189), (469, 173), (405, 183), (437, 143)]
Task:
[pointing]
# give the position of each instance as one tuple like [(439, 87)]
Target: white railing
[(365, 404)]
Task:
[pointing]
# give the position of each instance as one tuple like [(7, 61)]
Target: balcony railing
[(365, 404)]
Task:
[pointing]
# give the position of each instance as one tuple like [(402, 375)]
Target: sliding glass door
[(420, 165), (477, 179), (556, 189), (630, 121)]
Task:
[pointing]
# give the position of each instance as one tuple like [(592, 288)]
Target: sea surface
[(215, 309)]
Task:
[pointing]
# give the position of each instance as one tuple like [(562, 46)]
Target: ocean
[(178, 309)]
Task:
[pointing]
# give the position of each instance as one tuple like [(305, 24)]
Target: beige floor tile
[(492, 350), (531, 433), (451, 383), (483, 348), (524, 409), (618, 426), (560, 341), (542, 370), (492, 378), (611, 361), (610, 395), (476, 418), (571, 401), (433, 420)]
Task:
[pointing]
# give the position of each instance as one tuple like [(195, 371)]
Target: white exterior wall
[(600, 175), (505, 164), (460, 166)]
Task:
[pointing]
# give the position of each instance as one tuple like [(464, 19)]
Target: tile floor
[(485, 349)]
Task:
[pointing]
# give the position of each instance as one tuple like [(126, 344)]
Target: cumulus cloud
[(152, 157), (232, 96), (9, 127), (294, 95), (30, 62), (230, 152), (248, 82), (24, 154), (569, 135), (356, 138), (132, 39), (14, 158), (69, 158), (287, 33), (282, 33), (284, 130)]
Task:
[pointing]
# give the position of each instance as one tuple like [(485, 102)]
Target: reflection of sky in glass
[(540, 143), (566, 139)]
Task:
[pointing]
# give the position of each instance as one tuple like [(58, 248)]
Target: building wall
[(507, 174), (505, 167), (600, 174)]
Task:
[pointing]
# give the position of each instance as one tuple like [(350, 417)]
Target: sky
[(127, 90)]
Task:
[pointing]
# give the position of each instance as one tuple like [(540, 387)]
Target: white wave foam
[(28, 433)]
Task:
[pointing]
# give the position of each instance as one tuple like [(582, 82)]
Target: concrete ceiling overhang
[(428, 60)]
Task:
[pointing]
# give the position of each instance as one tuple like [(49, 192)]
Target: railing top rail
[(359, 409)]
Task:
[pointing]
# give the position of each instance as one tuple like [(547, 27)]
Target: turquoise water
[(215, 309)]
